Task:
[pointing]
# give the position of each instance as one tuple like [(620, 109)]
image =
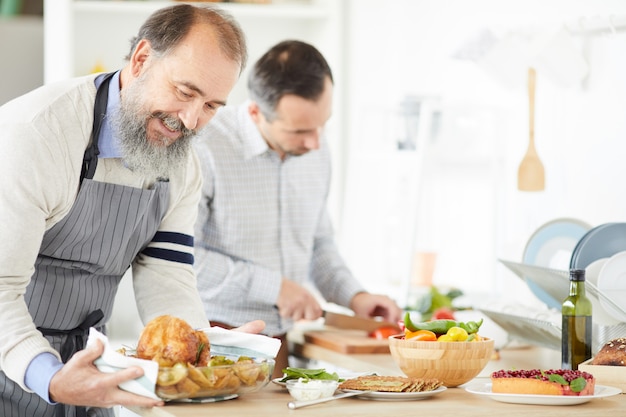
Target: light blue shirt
[(261, 219), (45, 365)]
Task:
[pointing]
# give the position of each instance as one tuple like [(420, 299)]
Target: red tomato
[(401, 325), (443, 313), (383, 333)]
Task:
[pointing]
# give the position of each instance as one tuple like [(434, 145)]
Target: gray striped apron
[(80, 264)]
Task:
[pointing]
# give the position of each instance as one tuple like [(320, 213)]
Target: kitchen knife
[(344, 321)]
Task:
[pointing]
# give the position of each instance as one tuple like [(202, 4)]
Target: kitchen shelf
[(295, 10), (80, 35)]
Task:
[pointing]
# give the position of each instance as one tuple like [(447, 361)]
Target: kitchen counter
[(272, 400)]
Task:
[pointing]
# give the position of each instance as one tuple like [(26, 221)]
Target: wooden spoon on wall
[(531, 174)]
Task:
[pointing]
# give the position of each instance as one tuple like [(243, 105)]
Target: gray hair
[(166, 27)]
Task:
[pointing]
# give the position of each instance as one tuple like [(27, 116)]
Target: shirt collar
[(255, 145), (108, 142)]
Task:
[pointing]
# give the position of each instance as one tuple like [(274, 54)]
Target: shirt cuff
[(40, 372)]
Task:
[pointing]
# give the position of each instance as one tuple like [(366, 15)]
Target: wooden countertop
[(272, 400)]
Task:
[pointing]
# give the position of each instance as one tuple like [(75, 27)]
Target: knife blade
[(344, 321)]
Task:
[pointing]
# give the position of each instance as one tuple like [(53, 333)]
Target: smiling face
[(167, 99), (298, 124)]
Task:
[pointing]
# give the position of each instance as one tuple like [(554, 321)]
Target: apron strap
[(90, 159), (74, 342)]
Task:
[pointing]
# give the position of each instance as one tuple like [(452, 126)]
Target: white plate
[(600, 315), (612, 283), (592, 271), (277, 382), (396, 396), (551, 246), (601, 391)]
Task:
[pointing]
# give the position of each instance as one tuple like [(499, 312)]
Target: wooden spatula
[(531, 174)]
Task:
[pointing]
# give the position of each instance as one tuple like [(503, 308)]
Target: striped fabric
[(169, 246), (81, 262)]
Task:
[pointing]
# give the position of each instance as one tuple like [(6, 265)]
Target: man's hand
[(375, 305), (255, 327), (296, 302), (79, 382)]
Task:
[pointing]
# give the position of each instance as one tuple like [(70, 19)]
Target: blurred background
[(431, 119)]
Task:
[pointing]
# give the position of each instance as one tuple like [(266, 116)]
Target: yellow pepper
[(457, 334), (445, 338)]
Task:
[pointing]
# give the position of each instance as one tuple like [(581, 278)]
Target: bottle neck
[(577, 288)]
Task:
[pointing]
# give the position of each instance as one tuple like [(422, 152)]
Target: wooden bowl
[(452, 363)]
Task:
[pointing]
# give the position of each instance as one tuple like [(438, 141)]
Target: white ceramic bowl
[(312, 389)]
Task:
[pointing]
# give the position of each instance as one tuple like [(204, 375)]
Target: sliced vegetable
[(383, 333)]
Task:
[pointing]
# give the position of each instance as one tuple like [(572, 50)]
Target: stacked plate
[(564, 244), (552, 246), (600, 242)]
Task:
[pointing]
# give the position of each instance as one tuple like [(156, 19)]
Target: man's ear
[(255, 112), (140, 56)]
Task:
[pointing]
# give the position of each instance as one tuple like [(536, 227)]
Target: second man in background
[(263, 230)]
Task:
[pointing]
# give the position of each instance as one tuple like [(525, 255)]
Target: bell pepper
[(441, 326)]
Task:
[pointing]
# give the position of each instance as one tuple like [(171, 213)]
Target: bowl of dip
[(311, 389)]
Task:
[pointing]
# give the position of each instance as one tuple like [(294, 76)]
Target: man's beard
[(140, 154)]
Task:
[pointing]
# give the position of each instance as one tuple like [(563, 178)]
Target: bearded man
[(98, 177)]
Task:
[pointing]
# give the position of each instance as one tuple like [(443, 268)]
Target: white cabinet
[(80, 34)]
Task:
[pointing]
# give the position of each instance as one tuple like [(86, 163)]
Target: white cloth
[(113, 361), (240, 343)]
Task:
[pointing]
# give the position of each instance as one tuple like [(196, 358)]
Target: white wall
[(21, 48), (462, 202), (470, 211)]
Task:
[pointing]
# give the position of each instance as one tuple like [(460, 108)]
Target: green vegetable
[(441, 326), (296, 373), (436, 299), (199, 352), (220, 361)]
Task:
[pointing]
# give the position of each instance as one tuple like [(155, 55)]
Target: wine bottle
[(576, 327)]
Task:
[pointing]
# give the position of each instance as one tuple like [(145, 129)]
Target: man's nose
[(312, 141), (191, 116)]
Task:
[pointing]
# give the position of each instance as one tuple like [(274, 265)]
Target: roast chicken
[(169, 340)]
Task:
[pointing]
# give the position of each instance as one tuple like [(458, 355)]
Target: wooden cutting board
[(346, 341)]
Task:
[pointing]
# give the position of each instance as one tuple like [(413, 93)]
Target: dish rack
[(527, 329), (545, 332)]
